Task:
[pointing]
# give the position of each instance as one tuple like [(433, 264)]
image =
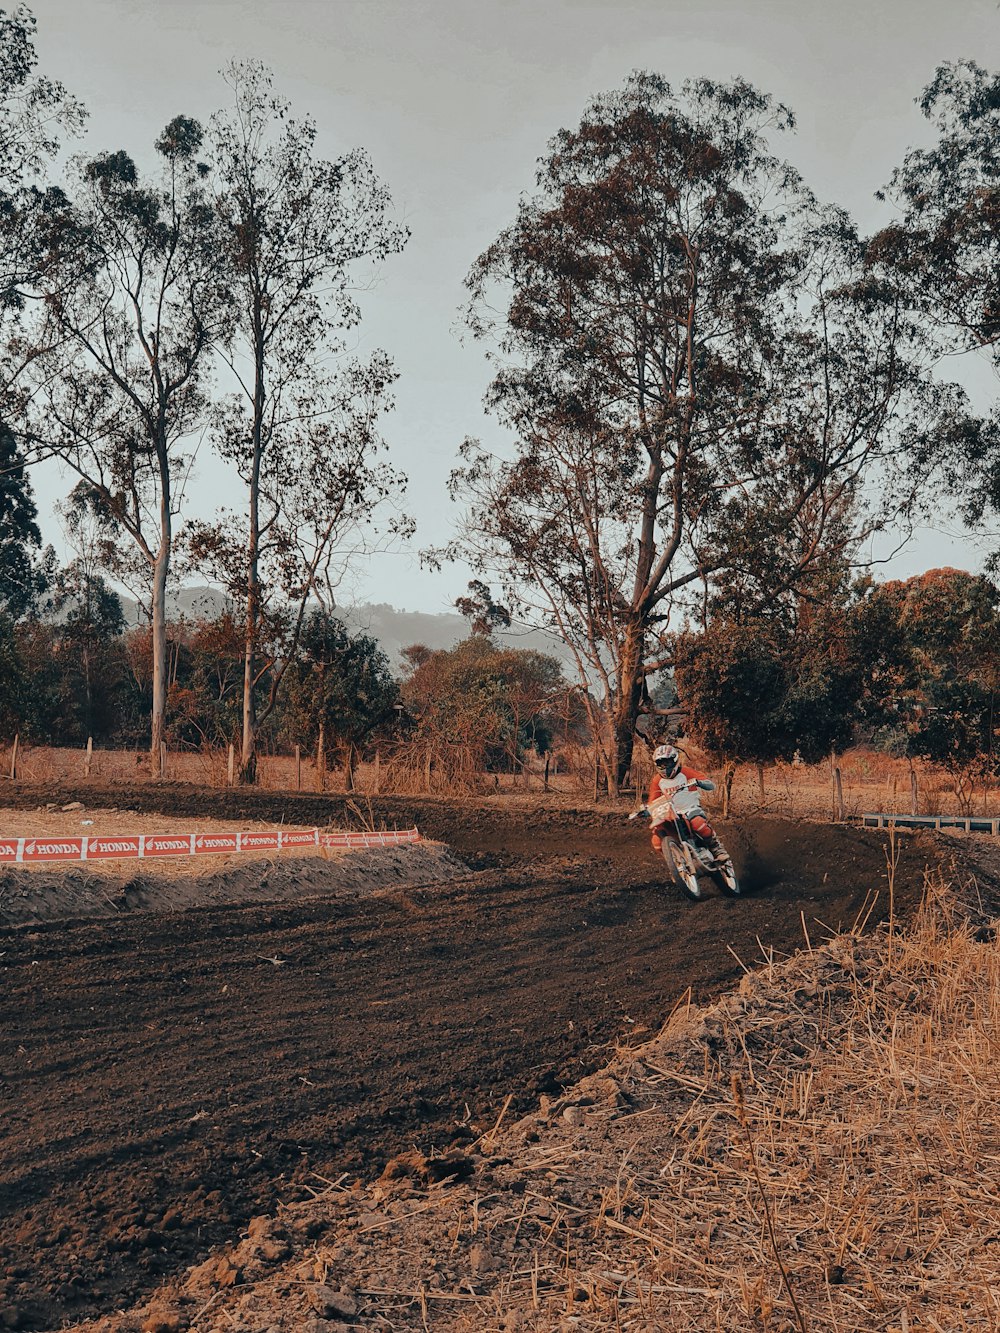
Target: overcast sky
[(455, 100)]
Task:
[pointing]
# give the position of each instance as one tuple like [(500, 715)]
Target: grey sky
[(455, 100)]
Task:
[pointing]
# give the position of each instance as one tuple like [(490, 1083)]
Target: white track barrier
[(26, 851)]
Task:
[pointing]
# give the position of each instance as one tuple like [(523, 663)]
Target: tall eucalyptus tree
[(134, 300), (302, 429), (701, 380)]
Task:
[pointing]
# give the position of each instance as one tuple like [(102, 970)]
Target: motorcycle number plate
[(681, 802), (661, 809)]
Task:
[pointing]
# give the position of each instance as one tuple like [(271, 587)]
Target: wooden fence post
[(913, 791), (89, 757), (378, 772), (545, 784), (298, 768), (231, 766), (729, 773), (13, 757), (163, 760), (838, 795)]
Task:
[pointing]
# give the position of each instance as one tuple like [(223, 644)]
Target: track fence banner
[(392, 838), (26, 851)]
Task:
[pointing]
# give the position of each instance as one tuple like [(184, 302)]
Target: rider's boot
[(718, 851)]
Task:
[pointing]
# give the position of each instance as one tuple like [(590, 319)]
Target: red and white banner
[(26, 851)]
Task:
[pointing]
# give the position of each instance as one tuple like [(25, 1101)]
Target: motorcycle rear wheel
[(685, 878)]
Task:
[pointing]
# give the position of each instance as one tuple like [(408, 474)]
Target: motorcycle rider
[(671, 775)]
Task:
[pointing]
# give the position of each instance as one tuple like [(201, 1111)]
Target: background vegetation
[(718, 392)]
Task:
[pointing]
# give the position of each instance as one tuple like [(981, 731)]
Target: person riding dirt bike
[(671, 776)]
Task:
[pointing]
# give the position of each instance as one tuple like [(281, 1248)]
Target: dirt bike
[(684, 852)]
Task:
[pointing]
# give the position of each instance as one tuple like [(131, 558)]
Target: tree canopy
[(703, 381)]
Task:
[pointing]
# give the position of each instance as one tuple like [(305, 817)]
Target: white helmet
[(667, 760)]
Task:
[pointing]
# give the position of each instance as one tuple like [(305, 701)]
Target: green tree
[(206, 685), (89, 624), (34, 111), (795, 672), (341, 682), (22, 579), (944, 253), (947, 704), (13, 682)]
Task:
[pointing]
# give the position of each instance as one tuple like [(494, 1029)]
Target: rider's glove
[(641, 813)]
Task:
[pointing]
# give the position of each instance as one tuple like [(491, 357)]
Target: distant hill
[(394, 630)]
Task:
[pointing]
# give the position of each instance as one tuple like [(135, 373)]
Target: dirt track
[(165, 1077)]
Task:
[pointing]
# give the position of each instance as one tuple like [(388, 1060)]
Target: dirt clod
[(331, 1302)]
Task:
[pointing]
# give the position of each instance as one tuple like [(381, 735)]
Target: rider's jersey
[(683, 790), (692, 778)]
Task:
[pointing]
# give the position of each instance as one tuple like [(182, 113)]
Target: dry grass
[(819, 1151), (833, 1166), (870, 781)]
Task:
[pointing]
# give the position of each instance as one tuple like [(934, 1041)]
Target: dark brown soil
[(165, 1077)]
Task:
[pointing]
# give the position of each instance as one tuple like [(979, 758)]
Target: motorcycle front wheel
[(684, 876)]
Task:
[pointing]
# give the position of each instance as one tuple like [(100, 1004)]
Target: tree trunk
[(626, 706), (88, 693), (248, 749), (248, 752), (838, 795), (349, 768), (248, 762), (159, 626), (321, 760)]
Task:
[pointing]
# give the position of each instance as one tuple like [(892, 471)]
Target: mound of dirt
[(165, 1077), (52, 894)]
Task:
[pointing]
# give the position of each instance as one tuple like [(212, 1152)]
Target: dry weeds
[(870, 781)]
